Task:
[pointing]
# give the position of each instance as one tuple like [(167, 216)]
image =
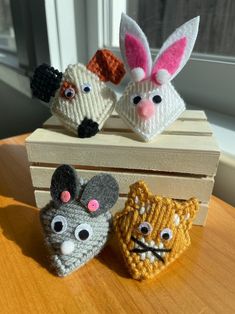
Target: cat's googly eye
[(59, 224), (135, 99), (156, 99), (166, 234), (69, 93), (86, 88), (83, 232), (145, 228)]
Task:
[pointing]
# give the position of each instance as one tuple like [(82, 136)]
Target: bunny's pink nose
[(145, 109)]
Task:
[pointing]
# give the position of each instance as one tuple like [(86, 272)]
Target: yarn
[(148, 79), (151, 239), (73, 233), (82, 101)]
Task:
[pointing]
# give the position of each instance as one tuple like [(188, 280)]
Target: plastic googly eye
[(166, 234), (69, 93), (68, 90), (135, 99), (145, 228), (59, 224), (86, 88), (83, 232)]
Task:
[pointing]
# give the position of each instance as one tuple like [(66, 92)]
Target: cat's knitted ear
[(185, 213), (106, 66), (100, 194), (65, 185), (45, 82)]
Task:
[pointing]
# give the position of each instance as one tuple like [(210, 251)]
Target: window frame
[(200, 80)]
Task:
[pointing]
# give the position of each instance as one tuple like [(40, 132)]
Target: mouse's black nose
[(87, 128)]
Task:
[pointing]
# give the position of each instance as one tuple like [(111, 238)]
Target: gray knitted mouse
[(77, 220)]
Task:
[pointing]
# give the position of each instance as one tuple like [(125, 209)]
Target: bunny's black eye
[(136, 99), (83, 232), (59, 224), (86, 88), (157, 99), (166, 234)]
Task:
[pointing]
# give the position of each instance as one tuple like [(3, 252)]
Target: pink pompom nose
[(65, 196), (93, 205), (145, 109)]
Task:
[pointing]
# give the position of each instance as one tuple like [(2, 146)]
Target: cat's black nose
[(87, 128)]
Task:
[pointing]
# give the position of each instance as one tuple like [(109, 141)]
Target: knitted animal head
[(150, 103), (77, 220), (82, 101), (152, 231)]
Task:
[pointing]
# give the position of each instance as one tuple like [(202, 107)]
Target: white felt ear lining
[(189, 30), (137, 74), (129, 26)]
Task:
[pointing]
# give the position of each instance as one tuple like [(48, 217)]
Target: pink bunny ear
[(135, 49), (175, 52)]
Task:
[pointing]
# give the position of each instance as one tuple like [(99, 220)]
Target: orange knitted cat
[(152, 230)]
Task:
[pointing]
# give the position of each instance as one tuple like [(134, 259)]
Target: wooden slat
[(181, 126), (43, 197), (173, 186), (171, 153)]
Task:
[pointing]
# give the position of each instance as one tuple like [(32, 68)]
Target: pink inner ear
[(171, 58), (135, 53)]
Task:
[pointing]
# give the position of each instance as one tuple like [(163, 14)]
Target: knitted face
[(165, 102), (76, 223), (150, 103), (152, 231), (83, 102)]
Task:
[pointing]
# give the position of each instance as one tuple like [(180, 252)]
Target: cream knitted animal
[(82, 101)]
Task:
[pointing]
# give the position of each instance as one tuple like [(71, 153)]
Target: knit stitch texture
[(152, 231), (75, 231)]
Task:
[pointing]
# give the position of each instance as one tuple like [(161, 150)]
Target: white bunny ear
[(135, 49), (175, 52)]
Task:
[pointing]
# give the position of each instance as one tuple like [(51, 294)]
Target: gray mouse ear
[(100, 194), (65, 185)]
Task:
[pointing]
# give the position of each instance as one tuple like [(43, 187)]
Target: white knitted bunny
[(150, 103)]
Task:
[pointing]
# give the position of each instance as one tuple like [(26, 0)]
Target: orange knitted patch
[(152, 231), (107, 66)]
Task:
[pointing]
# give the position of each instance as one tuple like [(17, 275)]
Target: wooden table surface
[(201, 281)]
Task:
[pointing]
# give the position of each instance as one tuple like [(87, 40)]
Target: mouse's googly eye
[(135, 99), (86, 88), (145, 228), (83, 232), (59, 224), (166, 234)]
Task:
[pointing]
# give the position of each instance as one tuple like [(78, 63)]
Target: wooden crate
[(179, 163)]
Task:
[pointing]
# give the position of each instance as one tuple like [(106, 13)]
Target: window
[(208, 78)]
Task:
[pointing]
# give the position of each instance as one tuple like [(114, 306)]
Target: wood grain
[(175, 186), (178, 153), (43, 197), (201, 281), (186, 124)]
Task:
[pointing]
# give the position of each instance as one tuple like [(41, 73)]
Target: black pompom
[(45, 81), (87, 128)]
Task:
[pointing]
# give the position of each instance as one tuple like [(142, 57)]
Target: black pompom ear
[(65, 185), (100, 194), (45, 81)]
